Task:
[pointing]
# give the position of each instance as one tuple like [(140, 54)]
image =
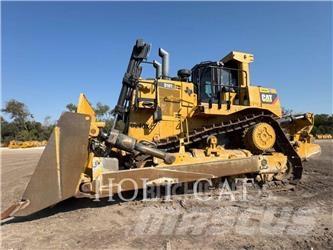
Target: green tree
[(18, 112), (22, 126), (71, 107), (102, 111), (323, 124), (8, 131)]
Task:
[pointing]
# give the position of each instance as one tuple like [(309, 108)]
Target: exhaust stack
[(158, 68), (165, 62)]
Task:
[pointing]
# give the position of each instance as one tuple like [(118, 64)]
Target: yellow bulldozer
[(207, 122)]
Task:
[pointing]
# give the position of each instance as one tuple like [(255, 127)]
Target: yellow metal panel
[(84, 107), (239, 56)]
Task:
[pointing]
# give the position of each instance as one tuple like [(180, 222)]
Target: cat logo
[(268, 98)]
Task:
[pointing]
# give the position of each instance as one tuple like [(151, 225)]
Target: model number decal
[(138, 125), (167, 85)]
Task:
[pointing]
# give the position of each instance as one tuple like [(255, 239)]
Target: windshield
[(228, 77)]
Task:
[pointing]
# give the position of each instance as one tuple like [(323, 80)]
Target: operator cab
[(222, 82)]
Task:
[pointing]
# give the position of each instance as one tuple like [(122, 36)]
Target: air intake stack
[(158, 68)]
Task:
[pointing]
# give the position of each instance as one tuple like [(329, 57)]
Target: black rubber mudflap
[(58, 172)]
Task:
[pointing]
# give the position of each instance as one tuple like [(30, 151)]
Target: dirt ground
[(300, 218)]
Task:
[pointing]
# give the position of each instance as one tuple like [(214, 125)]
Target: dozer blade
[(59, 169)]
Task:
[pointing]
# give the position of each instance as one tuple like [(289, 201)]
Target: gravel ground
[(300, 218)]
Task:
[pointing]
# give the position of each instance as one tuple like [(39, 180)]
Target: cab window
[(206, 85), (228, 77)]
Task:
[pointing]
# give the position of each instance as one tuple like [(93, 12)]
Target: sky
[(53, 51)]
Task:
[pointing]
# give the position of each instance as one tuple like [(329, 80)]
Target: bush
[(323, 124)]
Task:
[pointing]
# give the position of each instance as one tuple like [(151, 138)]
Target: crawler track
[(244, 121)]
